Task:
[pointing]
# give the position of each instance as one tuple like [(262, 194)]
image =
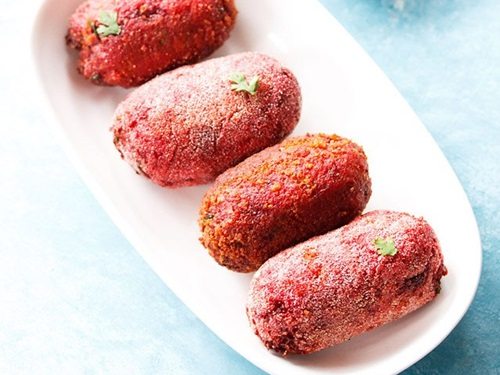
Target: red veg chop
[(147, 37), (283, 195), (326, 290), (187, 126)]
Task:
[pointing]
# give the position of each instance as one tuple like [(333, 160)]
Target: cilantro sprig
[(239, 83), (385, 246), (108, 24)]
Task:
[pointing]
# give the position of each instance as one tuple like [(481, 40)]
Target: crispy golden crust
[(326, 290), (155, 36), (281, 196)]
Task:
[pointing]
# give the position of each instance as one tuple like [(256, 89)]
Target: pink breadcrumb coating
[(326, 290), (188, 125)]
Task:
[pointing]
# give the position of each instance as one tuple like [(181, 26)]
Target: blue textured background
[(76, 298)]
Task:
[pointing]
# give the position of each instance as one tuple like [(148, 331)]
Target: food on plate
[(128, 42), (380, 267), (283, 195), (187, 126)]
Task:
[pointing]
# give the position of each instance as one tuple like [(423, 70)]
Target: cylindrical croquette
[(191, 124), (128, 42), (283, 195), (324, 291)]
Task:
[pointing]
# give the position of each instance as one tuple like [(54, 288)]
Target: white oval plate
[(344, 92)]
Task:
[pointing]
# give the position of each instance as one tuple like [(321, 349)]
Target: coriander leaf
[(239, 83), (253, 84), (237, 77), (107, 18), (385, 246), (108, 24)]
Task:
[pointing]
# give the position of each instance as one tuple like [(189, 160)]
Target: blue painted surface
[(76, 298)]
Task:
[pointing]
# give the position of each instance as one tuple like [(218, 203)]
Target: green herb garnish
[(239, 83), (385, 246), (108, 24)]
